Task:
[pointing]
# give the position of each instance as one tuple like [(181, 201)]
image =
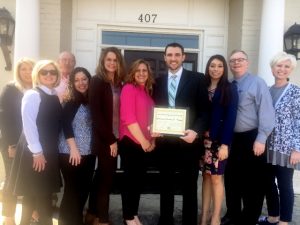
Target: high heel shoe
[(130, 222), (137, 220)]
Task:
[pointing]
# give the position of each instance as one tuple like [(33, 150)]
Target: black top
[(10, 115), (48, 121)]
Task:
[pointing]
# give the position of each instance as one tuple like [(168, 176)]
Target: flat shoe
[(264, 221)]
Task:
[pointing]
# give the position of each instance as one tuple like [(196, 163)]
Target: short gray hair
[(283, 56)]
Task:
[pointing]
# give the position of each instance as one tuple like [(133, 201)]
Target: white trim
[(196, 32)]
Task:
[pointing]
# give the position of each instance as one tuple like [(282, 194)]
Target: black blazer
[(10, 115), (191, 93)]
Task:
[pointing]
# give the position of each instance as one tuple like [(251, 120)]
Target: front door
[(156, 60)]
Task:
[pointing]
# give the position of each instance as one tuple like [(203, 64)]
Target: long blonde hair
[(19, 83)]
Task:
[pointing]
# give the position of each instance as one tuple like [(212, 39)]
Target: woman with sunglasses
[(36, 167)]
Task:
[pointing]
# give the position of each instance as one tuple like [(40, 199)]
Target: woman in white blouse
[(36, 169)]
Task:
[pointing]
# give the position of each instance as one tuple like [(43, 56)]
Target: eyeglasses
[(239, 60), (51, 72)]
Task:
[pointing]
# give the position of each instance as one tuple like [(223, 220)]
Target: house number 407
[(147, 18)]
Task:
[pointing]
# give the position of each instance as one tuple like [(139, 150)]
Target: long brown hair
[(223, 84), (130, 78), (73, 94), (120, 72)]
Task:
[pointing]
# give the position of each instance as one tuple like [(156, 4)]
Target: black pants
[(134, 165), (174, 156), (102, 184), (41, 203), (9, 201), (244, 180), (282, 204), (78, 180)]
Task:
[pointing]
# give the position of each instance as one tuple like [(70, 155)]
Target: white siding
[(50, 28), (251, 31), (209, 18)]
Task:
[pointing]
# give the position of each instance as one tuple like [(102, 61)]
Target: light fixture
[(292, 40), (7, 29)]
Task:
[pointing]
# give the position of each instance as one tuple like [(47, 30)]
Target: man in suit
[(184, 89)]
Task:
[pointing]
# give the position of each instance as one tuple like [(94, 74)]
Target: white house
[(141, 28)]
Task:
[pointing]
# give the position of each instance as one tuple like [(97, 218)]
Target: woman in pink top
[(136, 107)]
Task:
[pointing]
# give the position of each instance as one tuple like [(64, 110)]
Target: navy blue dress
[(222, 122)]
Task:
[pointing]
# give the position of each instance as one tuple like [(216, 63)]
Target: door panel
[(156, 60)]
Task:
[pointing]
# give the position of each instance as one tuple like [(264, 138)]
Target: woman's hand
[(75, 157), (39, 162), (114, 149), (12, 151), (295, 157), (223, 152), (154, 134), (146, 145), (151, 147)]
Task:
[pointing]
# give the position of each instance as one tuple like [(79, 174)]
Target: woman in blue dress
[(224, 99)]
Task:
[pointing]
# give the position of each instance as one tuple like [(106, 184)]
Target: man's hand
[(12, 151), (189, 136), (258, 148)]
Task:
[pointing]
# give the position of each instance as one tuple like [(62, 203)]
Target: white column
[(271, 36), (27, 31)]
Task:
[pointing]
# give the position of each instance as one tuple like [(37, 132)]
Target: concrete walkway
[(149, 209), (149, 205)]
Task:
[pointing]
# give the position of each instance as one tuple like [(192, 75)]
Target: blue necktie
[(172, 91)]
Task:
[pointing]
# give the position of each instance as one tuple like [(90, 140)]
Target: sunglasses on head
[(46, 72)]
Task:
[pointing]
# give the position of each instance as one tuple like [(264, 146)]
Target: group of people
[(57, 119)]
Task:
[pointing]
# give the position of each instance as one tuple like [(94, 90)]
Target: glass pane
[(149, 40)]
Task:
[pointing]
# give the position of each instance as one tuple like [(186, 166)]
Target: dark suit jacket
[(101, 106), (191, 94)]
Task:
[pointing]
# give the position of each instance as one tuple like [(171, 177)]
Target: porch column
[(27, 31), (271, 36)]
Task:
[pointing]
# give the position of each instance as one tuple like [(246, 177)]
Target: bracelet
[(37, 154)]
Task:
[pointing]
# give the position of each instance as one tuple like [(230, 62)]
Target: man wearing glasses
[(66, 62), (244, 173)]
